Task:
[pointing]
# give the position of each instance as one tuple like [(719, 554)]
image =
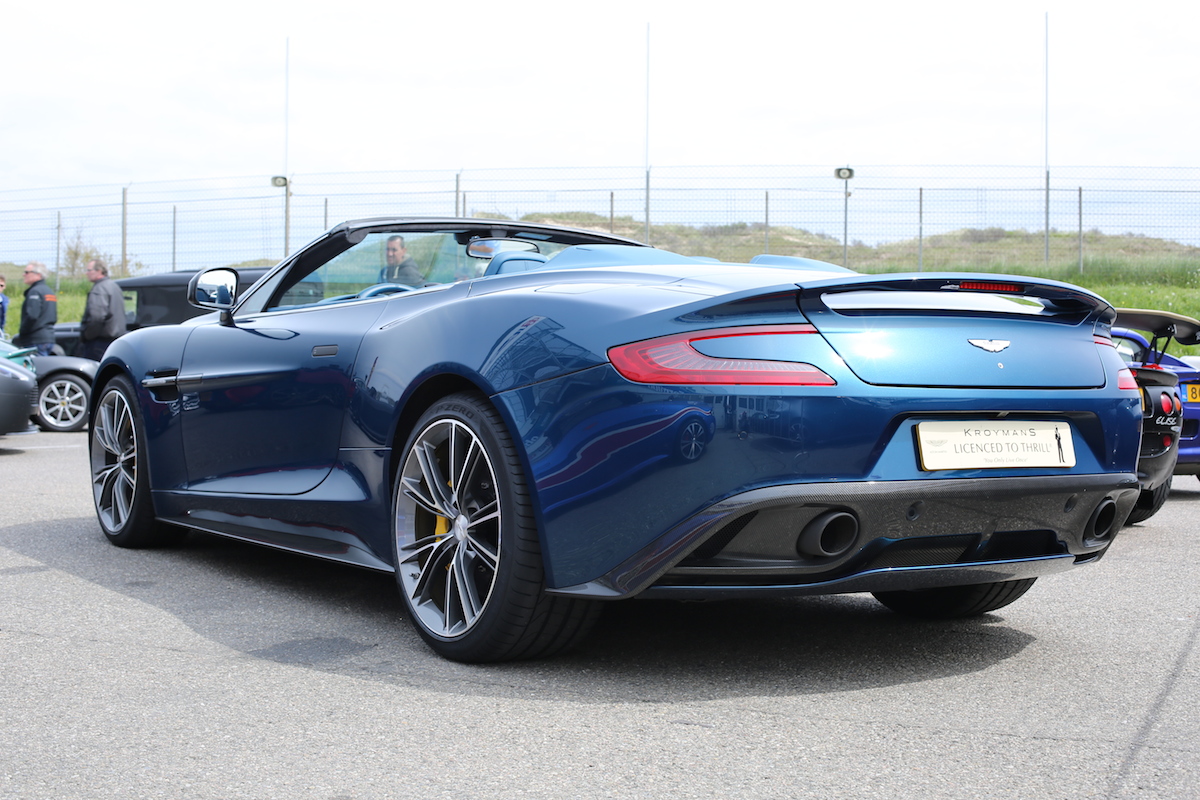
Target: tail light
[(673, 360), (1125, 380)]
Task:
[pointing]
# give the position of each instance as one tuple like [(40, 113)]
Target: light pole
[(844, 174), (282, 182)]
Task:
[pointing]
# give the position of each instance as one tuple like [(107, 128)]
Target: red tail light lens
[(1164, 400), (673, 360), (1125, 380)]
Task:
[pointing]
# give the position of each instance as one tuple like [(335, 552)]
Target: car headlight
[(8, 371)]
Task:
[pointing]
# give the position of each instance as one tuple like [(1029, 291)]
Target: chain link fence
[(884, 218)]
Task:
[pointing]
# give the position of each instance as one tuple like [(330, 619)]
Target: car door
[(264, 397)]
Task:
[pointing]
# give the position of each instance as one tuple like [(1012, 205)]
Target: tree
[(79, 252)]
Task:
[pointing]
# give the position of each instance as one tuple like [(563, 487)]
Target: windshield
[(390, 262)]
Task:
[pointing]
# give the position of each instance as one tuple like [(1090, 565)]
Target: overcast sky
[(128, 91)]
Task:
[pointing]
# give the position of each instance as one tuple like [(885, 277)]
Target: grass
[(72, 296), (1129, 271)]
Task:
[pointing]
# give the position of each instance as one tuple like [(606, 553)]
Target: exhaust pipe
[(829, 535), (1103, 523)]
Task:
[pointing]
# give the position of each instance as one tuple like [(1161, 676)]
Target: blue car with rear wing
[(1170, 400), (523, 422)]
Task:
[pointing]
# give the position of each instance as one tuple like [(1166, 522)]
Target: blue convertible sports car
[(521, 420)]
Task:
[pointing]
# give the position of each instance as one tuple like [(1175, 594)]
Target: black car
[(1162, 406), (65, 381), (18, 389), (152, 300), (64, 386)]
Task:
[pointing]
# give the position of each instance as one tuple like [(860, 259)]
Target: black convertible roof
[(489, 227)]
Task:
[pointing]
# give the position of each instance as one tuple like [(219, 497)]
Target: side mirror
[(215, 289)]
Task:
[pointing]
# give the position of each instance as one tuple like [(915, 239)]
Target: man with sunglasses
[(39, 312)]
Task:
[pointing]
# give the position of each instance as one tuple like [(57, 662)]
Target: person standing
[(39, 312), (103, 315), (3, 305)]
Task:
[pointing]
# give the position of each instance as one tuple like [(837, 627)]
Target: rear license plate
[(1193, 393), (994, 444)]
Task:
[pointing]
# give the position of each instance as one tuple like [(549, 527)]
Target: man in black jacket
[(104, 314), (39, 312)]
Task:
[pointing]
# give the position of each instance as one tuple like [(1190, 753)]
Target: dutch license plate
[(1193, 393), (994, 444)]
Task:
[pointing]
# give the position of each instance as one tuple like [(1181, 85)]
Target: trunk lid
[(982, 330)]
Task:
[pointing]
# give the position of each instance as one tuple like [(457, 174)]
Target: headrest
[(514, 261)]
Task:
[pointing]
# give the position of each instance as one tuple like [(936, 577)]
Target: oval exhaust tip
[(829, 535), (1103, 523)]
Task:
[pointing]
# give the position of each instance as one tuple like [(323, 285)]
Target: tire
[(468, 562), (120, 479), (953, 602), (63, 403), (1149, 502)]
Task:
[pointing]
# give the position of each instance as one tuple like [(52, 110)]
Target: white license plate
[(994, 444)]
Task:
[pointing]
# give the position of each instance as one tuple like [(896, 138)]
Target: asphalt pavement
[(221, 670)]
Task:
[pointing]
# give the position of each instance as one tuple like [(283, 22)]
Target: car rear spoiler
[(1160, 324), (1163, 326), (1054, 296)]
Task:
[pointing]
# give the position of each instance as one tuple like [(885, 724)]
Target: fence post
[(173, 231), (647, 205), (612, 213), (287, 218), (1080, 230), (921, 229), (58, 252), (124, 230), (767, 222), (845, 223), (457, 189), (1047, 237)]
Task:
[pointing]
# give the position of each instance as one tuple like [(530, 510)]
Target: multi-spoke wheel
[(120, 485), (62, 403), (468, 562), (692, 440)]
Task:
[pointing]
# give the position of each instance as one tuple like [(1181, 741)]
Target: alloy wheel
[(62, 404), (448, 523), (114, 460)]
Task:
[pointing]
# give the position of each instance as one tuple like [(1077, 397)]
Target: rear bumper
[(906, 535)]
